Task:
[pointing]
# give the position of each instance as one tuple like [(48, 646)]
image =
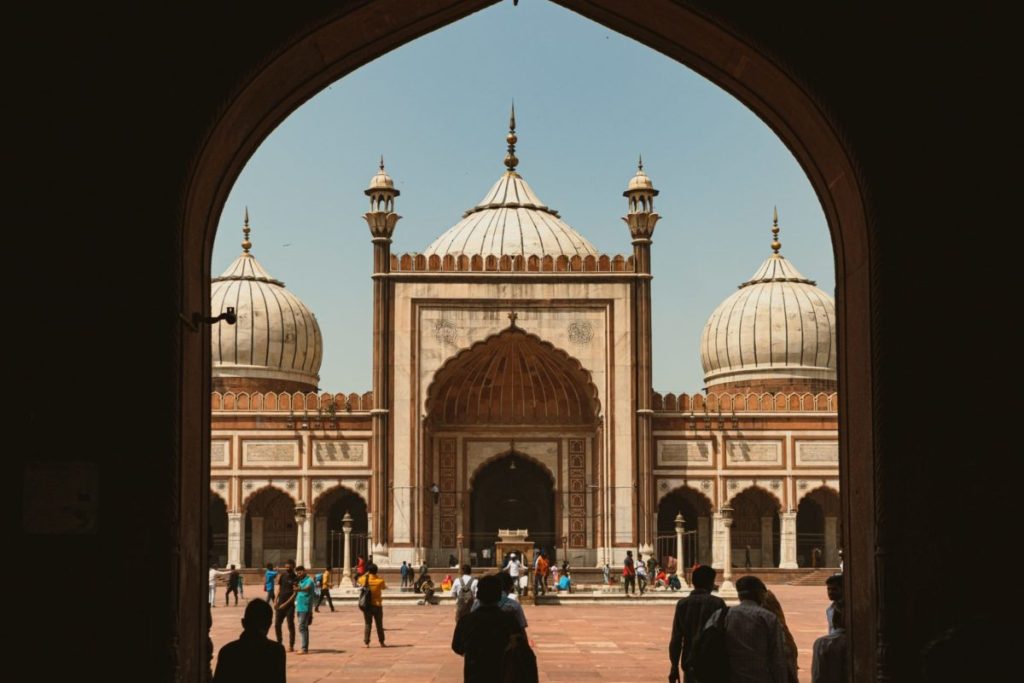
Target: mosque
[(513, 389)]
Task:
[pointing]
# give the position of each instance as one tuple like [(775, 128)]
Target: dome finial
[(510, 159), (640, 162), (381, 163), (776, 244), (246, 244)]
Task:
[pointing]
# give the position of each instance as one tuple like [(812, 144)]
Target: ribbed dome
[(779, 328), (274, 345), (511, 220)]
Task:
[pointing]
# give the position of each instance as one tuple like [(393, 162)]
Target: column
[(346, 528), (307, 543), (680, 555), (717, 540), (726, 589), (703, 540), (831, 547), (256, 525), (787, 540), (300, 536), (320, 544), (767, 554), (236, 532)]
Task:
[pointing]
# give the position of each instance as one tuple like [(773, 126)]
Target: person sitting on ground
[(674, 583), (426, 586), (660, 578), (453, 562), (563, 583), (253, 657), (483, 635), (446, 583)]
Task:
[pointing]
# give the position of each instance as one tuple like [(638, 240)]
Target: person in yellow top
[(325, 590), (375, 612)]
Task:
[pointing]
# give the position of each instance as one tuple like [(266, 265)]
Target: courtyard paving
[(591, 642)]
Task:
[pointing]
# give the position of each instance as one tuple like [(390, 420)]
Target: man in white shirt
[(464, 582), (213, 585), (515, 568)]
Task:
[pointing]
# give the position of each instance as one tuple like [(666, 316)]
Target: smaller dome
[(641, 181), (381, 181)]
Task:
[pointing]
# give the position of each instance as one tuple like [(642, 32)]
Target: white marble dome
[(778, 327), (511, 220), (276, 336)]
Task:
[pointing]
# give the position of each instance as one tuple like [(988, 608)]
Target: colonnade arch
[(270, 530), (697, 512), (755, 529), (329, 510), (818, 528)]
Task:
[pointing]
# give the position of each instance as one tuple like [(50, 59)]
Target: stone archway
[(217, 541), (328, 536), (305, 62), (755, 528), (818, 528), (271, 535), (697, 521), (511, 492)]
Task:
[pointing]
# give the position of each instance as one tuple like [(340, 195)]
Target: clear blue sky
[(588, 100)]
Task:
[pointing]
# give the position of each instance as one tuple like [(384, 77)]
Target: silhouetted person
[(692, 612), (772, 604), (284, 607), (753, 637), (253, 658), (746, 558), (829, 662), (482, 636), (232, 585), (834, 587)]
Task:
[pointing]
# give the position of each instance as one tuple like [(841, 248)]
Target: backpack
[(464, 603), (707, 660), (365, 599)]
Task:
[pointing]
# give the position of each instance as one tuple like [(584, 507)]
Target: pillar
[(236, 538), (726, 589), (787, 540), (346, 529), (307, 542), (320, 544), (256, 526), (703, 540), (717, 540), (680, 555), (767, 554), (831, 546)]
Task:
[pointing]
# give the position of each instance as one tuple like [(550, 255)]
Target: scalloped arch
[(512, 377), (511, 451)]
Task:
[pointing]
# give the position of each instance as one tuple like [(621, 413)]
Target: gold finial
[(246, 244), (640, 162), (776, 244), (510, 159), (381, 163), (512, 317)]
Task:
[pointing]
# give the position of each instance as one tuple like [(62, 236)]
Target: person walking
[(214, 573), (253, 657), (375, 613), (325, 590), (483, 636), (269, 580), (304, 598), (692, 612), (514, 569), (241, 585), (464, 592), (284, 606), (629, 573), (641, 576), (754, 641), (232, 585), (404, 571), (606, 572)]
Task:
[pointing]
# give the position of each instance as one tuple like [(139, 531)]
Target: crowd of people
[(746, 643)]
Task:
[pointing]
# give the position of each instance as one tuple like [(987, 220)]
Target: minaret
[(641, 220), (382, 220)]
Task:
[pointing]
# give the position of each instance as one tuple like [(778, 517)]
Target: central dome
[(511, 221)]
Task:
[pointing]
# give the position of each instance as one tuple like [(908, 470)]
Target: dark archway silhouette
[(270, 531), (337, 44), (511, 492), (815, 542), (751, 508), (218, 531), (694, 507)]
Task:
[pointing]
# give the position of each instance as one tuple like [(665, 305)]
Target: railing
[(665, 547)]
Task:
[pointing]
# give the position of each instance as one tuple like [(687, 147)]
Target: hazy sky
[(588, 100)]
